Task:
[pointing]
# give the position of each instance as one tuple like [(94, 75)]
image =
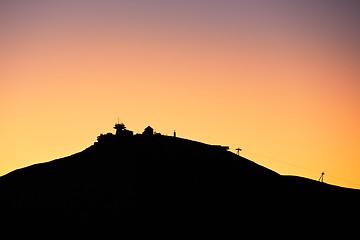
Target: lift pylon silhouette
[(321, 179), (238, 150)]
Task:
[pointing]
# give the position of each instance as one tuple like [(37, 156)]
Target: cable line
[(298, 166), (277, 160)]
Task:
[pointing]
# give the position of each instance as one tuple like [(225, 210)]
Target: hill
[(151, 181)]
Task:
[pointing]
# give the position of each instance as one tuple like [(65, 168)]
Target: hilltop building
[(119, 128), (148, 131), (122, 131)]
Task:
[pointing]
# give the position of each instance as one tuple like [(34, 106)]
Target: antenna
[(321, 179), (238, 150)]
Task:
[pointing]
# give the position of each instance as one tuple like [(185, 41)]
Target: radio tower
[(119, 127)]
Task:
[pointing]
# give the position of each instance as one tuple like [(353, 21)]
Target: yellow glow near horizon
[(288, 99)]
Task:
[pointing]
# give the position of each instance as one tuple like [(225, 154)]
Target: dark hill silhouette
[(159, 183)]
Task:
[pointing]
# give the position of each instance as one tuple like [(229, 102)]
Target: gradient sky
[(279, 79)]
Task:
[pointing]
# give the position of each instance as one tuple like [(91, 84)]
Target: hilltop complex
[(122, 132)]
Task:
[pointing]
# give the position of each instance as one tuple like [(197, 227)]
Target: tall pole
[(321, 179), (238, 151)]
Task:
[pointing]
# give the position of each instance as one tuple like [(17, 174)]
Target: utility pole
[(238, 150)]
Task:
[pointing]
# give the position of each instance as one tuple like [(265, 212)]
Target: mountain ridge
[(150, 180)]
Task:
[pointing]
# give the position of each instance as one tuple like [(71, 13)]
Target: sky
[(278, 79)]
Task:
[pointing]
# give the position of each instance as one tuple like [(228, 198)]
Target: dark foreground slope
[(162, 183)]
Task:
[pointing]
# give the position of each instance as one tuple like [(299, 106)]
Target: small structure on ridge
[(148, 131), (122, 131)]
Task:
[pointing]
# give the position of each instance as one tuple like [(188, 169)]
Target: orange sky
[(279, 80)]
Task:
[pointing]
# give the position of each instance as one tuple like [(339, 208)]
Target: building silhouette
[(148, 131), (122, 131)]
